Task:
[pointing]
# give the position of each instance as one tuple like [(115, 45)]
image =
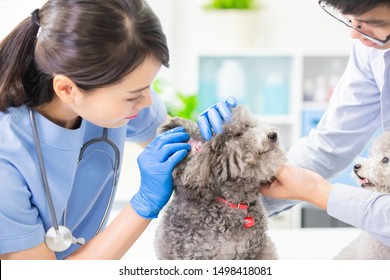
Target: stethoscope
[(59, 238)]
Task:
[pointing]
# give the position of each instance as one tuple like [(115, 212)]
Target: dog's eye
[(385, 160), (238, 134)]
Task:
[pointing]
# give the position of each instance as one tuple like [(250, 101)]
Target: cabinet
[(283, 88), (287, 89), (264, 82)]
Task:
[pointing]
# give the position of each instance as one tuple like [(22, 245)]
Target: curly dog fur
[(371, 173), (214, 186)]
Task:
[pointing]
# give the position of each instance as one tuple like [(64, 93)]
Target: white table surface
[(291, 244)]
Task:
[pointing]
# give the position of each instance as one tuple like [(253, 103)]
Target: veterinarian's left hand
[(156, 164), (212, 119), (301, 184)]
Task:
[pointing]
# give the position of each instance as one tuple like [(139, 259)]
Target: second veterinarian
[(360, 105)]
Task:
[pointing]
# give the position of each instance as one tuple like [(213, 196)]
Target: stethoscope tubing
[(43, 171), (64, 232), (103, 138)]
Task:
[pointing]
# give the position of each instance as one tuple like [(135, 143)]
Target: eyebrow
[(139, 90), (372, 21)]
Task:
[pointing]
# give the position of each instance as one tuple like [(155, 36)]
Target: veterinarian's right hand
[(212, 119), (297, 183), (156, 164)]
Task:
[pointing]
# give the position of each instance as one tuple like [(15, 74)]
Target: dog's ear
[(172, 123), (225, 158), (229, 153)]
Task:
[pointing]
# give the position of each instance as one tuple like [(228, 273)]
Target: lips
[(369, 43), (132, 117)]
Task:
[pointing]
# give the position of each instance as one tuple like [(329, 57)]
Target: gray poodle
[(215, 211), (371, 173)]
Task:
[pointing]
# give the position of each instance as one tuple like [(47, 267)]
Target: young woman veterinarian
[(74, 85)]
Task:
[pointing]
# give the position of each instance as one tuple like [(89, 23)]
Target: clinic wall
[(285, 25), (14, 11)]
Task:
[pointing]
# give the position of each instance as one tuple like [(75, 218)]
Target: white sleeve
[(357, 207), (353, 116)]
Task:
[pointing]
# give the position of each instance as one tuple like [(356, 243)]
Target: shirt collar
[(50, 133)]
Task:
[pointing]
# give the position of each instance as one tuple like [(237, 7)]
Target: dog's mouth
[(270, 146), (267, 182), (270, 149), (364, 182), (266, 151)]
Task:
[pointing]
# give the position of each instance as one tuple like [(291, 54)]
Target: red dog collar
[(248, 220), (242, 205)]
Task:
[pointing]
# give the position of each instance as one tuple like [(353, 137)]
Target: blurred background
[(281, 58)]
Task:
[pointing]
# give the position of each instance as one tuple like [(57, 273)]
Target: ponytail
[(18, 74)]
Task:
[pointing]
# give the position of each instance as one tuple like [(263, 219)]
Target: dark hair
[(93, 42), (356, 7)]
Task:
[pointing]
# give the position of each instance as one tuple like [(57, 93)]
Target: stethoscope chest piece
[(61, 240)]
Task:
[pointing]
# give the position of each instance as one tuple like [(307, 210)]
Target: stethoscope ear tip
[(80, 241)]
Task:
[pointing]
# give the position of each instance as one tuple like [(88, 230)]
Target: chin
[(118, 124), (111, 125), (384, 47)]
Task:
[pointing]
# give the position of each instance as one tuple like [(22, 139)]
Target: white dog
[(371, 173)]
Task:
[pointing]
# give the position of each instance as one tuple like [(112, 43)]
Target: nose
[(355, 24), (356, 167), (273, 136), (355, 34)]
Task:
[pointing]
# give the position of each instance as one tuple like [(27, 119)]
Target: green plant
[(187, 107), (233, 4), (179, 104)]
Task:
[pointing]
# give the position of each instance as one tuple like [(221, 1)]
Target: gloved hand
[(214, 117), (156, 164)]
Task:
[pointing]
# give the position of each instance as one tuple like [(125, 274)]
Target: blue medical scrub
[(84, 191)]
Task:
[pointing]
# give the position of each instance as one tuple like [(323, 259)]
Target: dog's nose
[(356, 167), (273, 136)]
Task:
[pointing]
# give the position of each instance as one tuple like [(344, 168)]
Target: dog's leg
[(269, 252)]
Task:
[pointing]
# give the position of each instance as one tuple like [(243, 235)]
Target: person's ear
[(64, 88)]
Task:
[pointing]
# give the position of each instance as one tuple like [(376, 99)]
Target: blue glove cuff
[(143, 208)]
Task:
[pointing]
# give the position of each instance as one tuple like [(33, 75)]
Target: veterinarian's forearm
[(114, 241), (318, 194)]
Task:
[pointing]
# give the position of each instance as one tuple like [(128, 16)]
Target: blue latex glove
[(213, 118), (156, 163)]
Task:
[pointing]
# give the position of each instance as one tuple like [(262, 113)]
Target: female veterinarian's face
[(113, 106)]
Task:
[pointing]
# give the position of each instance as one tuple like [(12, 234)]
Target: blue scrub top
[(82, 189)]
